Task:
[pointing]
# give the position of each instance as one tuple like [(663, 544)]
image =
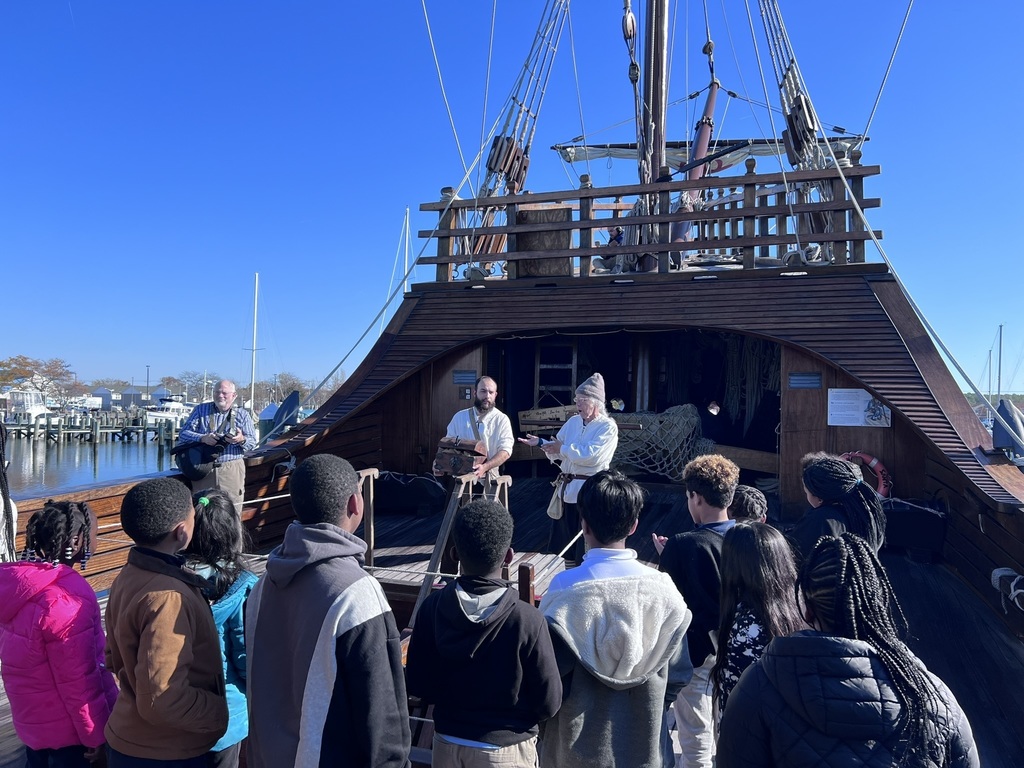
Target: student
[(693, 560), (840, 501), (748, 503), (848, 692), (618, 628), (161, 640), (51, 641), (216, 554), (325, 678), (758, 601), (481, 655)]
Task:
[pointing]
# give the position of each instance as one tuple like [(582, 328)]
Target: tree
[(52, 377), (173, 385), (15, 371), (197, 385)]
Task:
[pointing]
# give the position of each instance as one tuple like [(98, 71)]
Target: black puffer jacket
[(815, 700)]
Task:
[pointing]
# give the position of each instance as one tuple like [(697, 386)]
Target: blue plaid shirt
[(205, 418)]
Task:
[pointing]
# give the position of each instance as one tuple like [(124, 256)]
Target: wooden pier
[(97, 428)]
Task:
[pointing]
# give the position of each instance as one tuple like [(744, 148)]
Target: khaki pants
[(228, 477), (447, 755)]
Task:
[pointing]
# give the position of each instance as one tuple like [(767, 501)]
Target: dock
[(94, 428)]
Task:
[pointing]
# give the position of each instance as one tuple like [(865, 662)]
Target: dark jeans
[(116, 759), (65, 757)]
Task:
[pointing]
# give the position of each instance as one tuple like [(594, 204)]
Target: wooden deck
[(951, 629)]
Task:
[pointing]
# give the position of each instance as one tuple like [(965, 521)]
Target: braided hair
[(218, 541), (51, 534), (848, 592), (838, 482)]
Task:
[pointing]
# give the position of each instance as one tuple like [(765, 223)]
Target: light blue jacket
[(228, 616)]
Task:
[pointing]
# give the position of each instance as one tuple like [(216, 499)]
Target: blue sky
[(155, 155)]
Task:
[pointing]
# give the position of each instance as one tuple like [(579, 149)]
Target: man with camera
[(220, 434)]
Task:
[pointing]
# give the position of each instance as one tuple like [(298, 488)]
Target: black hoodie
[(485, 662)]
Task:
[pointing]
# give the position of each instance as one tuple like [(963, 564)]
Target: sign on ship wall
[(856, 408)]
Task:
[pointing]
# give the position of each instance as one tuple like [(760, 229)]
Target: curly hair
[(51, 532), (714, 477), (748, 503), (151, 509), (848, 593), (321, 487), (838, 481), (482, 533), (610, 503), (218, 541)]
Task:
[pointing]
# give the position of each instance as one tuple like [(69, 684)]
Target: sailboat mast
[(255, 302), (999, 368)]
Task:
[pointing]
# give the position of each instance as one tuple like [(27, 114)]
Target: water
[(43, 467)]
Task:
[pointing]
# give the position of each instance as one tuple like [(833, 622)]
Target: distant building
[(133, 396), (109, 398), (161, 392)]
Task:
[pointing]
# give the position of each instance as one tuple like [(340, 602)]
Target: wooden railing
[(751, 220)]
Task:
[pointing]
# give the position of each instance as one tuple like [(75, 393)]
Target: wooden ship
[(744, 298)]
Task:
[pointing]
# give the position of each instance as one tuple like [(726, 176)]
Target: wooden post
[(512, 241), (526, 584), (664, 229), (444, 244), (586, 233), (857, 185), (839, 248), (749, 204), (367, 479)]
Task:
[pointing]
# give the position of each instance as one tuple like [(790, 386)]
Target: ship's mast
[(654, 90)]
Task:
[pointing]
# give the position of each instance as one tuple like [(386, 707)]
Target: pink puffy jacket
[(51, 656)]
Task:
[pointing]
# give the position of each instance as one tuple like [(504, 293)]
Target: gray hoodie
[(324, 658), (621, 652)]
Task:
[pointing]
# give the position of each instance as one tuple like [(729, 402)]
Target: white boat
[(26, 405), (170, 409)]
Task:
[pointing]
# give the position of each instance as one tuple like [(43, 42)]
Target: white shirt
[(586, 450), (494, 426), (601, 563)]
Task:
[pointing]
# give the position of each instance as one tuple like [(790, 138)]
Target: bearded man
[(485, 423)]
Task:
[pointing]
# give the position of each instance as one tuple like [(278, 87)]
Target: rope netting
[(665, 442)]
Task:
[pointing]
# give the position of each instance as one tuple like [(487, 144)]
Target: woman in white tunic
[(583, 447)]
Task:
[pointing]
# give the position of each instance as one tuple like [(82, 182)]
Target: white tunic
[(494, 426), (586, 450)]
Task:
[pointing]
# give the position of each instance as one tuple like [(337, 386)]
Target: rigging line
[(576, 77), (739, 69), (771, 120), (487, 85), (902, 286), (394, 266), (888, 69), (440, 79), (316, 390)]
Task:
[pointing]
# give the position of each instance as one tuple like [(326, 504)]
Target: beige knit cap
[(592, 388)]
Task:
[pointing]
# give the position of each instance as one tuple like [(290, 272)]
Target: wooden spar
[(655, 78), (681, 231)]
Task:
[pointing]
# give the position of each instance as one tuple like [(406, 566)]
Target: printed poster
[(856, 408)]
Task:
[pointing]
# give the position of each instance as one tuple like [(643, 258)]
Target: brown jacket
[(162, 647)]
